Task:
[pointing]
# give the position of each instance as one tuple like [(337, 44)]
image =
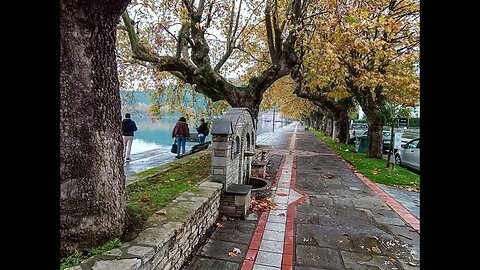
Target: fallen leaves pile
[(262, 205), (234, 252), (144, 198)]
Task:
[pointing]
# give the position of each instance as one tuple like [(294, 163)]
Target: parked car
[(355, 130), (385, 140), (409, 155)]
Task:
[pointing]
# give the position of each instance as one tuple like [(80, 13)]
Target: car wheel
[(398, 160)]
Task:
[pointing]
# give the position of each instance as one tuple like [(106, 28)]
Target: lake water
[(152, 142), (158, 134)]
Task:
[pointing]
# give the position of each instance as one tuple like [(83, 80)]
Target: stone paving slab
[(277, 219), (269, 259), (283, 190), (409, 199), (218, 249), (238, 233), (359, 261), (272, 226), (263, 267), (319, 257), (127, 264), (202, 263), (278, 212), (271, 246), (407, 234), (273, 235), (307, 268), (280, 200), (344, 238), (313, 205), (370, 203)]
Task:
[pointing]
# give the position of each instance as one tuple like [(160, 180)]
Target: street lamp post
[(273, 128)]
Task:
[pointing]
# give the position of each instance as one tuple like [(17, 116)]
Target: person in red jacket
[(181, 133)]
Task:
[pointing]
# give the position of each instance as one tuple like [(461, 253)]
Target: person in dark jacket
[(181, 133), (202, 131), (128, 128)]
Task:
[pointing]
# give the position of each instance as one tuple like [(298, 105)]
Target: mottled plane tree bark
[(92, 200)]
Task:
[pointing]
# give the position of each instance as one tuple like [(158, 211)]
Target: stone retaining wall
[(167, 240)]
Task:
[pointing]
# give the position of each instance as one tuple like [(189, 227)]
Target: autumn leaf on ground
[(234, 252), (161, 212), (220, 225), (328, 176), (144, 198), (375, 171)]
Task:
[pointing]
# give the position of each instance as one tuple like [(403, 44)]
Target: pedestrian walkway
[(409, 199), (326, 217)]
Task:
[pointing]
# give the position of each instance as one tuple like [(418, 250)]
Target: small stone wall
[(168, 239)]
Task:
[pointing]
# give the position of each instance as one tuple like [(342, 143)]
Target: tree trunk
[(373, 105), (92, 180), (324, 125), (330, 131), (341, 126), (390, 149), (334, 129), (375, 135)]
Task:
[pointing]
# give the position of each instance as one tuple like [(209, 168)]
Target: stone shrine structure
[(233, 137)]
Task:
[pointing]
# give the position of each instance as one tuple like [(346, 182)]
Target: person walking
[(128, 128), (181, 133), (202, 130)]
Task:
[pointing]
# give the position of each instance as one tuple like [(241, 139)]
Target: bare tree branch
[(180, 39), (246, 23), (139, 51), (270, 38), (252, 56), (209, 16), (277, 31)]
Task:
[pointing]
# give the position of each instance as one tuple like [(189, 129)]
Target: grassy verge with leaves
[(158, 187), (77, 257), (373, 168)]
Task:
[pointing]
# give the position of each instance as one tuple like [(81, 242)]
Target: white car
[(409, 155)]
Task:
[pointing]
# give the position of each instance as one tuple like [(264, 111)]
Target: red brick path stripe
[(257, 235), (289, 241)]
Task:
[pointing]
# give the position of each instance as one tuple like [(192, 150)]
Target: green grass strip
[(158, 187), (77, 257)]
